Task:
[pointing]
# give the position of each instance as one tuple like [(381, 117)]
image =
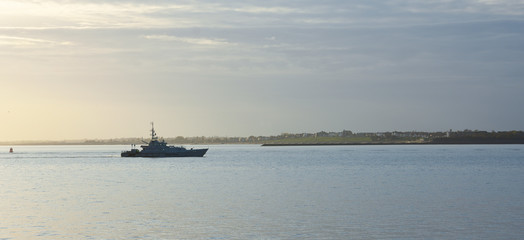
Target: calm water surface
[(253, 192)]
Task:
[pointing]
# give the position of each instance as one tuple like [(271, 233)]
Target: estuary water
[(254, 192)]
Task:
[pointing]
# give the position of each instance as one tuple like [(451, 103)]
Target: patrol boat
[(157, 148)]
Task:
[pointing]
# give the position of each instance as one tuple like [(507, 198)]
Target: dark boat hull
[(186, 153)]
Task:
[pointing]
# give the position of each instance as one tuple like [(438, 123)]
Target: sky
[(98, 69)]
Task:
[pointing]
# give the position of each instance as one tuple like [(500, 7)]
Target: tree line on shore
[(343, 137)]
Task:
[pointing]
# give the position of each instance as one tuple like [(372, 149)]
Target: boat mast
[(153, 134)]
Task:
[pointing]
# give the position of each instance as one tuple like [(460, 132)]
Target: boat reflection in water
[(157, 148)]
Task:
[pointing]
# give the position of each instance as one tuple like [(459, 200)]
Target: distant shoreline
[(286, 144), (391, 143), (336, 144), (316, 139)]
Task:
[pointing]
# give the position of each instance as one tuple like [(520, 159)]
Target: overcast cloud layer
[(101, 69)]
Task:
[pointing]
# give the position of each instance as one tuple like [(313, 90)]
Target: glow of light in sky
[(105, 69)]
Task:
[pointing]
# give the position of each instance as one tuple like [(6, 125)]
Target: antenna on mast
[(153, 134)]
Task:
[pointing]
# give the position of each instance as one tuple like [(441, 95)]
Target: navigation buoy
[(10, 150)]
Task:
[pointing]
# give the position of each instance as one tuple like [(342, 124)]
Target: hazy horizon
[(90, 69), (146, 138)]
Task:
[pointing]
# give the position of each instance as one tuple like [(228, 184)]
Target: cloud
[(82, 15), (196, 41), (126, 14), (241, 14), (482, 7), (29, 42), (274, 10)]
